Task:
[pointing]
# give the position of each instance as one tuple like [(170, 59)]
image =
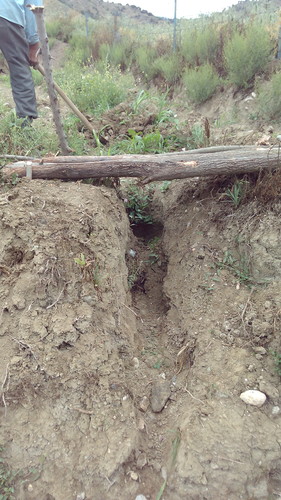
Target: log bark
[(152, 168)]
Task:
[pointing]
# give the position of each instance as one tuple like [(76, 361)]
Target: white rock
[(133, 475), (140, 497), (253, 397), (136, 363), (275, 411), (81, 496)]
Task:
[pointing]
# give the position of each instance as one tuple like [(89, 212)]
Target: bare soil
[(123, 351), (107, 390)]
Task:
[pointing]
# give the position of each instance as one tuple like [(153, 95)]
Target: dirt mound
[(123, 356)]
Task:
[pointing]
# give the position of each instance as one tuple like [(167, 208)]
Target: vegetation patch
[(200, 83), (138, 204), (247, 54)]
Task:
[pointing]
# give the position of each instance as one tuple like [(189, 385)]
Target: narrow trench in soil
[(147, 294), (150, 304)]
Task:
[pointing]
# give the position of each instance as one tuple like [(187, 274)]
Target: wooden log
[(152, 167), (48, 73)]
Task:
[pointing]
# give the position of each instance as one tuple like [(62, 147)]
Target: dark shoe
[(26, 122)]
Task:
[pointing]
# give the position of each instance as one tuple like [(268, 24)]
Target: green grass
[(236, 192), (37, 140), (239, 266), (94, 91), (171, 462)]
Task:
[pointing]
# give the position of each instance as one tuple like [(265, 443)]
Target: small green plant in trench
[(165, 186), (90, 270), (171, 461), (141, 97), (137, 202), (153, 246), (236, 193), (81, 261), (6, 479), (277, 361), (239, 267)]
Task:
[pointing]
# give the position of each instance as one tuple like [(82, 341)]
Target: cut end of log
[(191, 164)]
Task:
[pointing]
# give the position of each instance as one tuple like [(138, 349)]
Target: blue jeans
[(14, 46)]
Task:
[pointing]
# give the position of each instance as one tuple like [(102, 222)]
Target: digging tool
[(68, 101)]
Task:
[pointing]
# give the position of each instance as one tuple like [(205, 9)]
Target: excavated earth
[(123, 356)]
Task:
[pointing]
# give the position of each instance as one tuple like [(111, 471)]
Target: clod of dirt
[(270, 390), (160, 393)]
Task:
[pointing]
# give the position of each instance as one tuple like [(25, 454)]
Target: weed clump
[(236, 192), (137, 202)]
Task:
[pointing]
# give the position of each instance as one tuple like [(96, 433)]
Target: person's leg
[(14, 46)]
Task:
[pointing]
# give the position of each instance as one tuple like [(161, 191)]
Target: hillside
[(97, 9)]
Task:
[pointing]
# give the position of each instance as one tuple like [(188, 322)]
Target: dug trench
[(123, 355)]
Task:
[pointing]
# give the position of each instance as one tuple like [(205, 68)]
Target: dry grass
[(267, 187)]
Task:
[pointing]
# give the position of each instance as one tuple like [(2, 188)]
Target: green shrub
[(200, 46), (61, 28), (103, 34), (80, 49), (169, 67), (120, 54), (247, 54), (188, 47), (144, 58), (200, 83), (269, 99)]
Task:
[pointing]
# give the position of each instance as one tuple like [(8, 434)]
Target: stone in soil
[(160, 394)]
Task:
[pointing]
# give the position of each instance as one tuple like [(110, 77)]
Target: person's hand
[(33, 54)]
